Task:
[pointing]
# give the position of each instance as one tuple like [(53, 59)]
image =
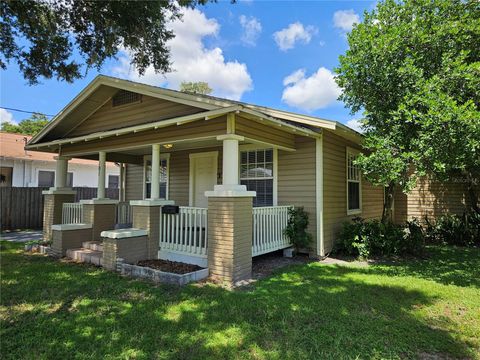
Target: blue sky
[(278, 54)]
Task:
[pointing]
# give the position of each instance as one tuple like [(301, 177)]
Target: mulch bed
[(169, 266)]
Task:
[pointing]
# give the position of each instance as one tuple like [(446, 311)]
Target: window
[(113, 181), (163, 178), (354, 191), (256, 173), (46, 178), (69, 179), (6, 176)]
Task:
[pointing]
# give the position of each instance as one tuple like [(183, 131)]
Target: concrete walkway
[(21, 236)]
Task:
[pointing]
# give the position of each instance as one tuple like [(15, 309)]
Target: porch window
[(47, 178), (256, 173), (164, 164), (113, 181), (354, 184)]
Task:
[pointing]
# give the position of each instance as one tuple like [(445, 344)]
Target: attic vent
[(124, 97)]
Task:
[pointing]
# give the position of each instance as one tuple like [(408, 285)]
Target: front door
[(203, 176)]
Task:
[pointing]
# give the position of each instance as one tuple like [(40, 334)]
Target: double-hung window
[(256, 173), (354, 184), (164, 164)]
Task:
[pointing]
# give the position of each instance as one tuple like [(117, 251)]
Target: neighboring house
[(24, 168), (215, 155)]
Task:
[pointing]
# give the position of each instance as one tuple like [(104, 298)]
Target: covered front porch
[(171, 187)]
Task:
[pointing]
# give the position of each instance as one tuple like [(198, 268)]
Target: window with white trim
[(256, 173), (164, 164), (354, 184)]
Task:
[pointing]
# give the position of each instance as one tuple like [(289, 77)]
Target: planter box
[(161, 276)]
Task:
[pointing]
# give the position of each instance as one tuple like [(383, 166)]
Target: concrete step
[(93, 245), (86, 256)]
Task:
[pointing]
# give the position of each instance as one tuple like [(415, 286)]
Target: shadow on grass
[(61, 310), (447, 265)]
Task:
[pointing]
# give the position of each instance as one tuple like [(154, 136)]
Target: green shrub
[(454, 230), (374, 238), (296, 229)]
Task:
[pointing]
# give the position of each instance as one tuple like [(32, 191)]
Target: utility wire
[(25, 111)]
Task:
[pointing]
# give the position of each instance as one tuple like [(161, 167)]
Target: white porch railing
[(124, 213), (268, 225), (72, 213), (185, 232)]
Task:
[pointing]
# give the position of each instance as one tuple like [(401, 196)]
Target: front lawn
[(412, 309)]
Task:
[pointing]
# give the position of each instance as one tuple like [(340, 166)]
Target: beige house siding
[(260, 132), (335, 189), (147, 110), (430, 198), (296, 180), (133, 182)]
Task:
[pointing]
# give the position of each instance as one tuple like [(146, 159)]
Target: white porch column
[(155, 184), (231, 158), (121, 183), (102, 158), (61, 171)]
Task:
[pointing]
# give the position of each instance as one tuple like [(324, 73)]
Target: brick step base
[(86, 256), (93, 245)]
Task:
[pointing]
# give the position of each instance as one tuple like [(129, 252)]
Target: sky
[(279, 54)]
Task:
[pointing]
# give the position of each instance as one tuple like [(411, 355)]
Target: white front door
[(203, 176)]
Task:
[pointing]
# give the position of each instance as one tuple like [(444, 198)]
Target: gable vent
[(124, 97)]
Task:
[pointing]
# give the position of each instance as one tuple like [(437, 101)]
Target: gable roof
[(102, 88), (13, 147)]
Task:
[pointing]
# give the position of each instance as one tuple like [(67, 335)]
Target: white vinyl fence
[(269, 222), (72, 213)]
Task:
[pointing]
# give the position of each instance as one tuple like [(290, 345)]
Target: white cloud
[(310, 93), (6, 117), (355, 124), (296, 32), (251, 29), (344, 19), (192, 61)]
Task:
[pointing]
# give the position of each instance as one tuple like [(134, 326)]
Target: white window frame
[(252, 147), (354, 152), (144, 188)]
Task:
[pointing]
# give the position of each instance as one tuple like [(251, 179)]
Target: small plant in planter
[(296, 230), (32, 245)]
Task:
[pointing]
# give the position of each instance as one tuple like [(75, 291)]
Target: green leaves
[(29, 126), (413, 67), (41, 37)]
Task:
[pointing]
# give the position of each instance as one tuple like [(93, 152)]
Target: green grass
[(410, 309)]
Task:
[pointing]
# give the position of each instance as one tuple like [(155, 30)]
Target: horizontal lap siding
[(431, 198), (296, 179), (335, 189), (148, 110), (134, 182), (254, 130)]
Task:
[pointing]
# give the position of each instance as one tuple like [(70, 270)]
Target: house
[(207, 180), (24, 168)]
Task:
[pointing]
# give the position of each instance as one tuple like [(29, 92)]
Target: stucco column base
[(52, 209), (146, 215), (230, 225), (101, 215)]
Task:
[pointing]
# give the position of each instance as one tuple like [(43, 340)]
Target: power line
[(25, 111)]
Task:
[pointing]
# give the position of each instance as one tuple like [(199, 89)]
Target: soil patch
[(265, 265), (169, 266)]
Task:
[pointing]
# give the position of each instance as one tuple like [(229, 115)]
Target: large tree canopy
[(199, 87), (413, 67), (42, 36)]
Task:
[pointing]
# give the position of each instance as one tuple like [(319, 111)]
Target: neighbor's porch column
[(102, 158), (155, 184), (61, 171)]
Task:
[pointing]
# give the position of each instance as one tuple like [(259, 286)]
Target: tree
[(413, 67), (30, 126), (42, 36), (196, 87)]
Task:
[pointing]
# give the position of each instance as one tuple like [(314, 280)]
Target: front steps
[(91, 252)]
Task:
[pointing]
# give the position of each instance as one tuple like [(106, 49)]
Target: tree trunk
[(472, 194), (387, 215)]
